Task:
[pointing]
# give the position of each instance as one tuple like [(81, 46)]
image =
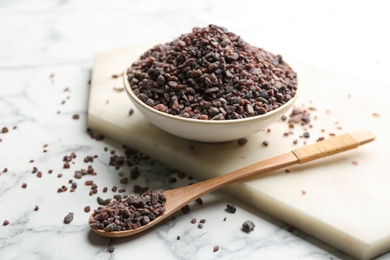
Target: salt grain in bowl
[(210, 76)]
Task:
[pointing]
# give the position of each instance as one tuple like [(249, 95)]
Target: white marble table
[(46, 55)]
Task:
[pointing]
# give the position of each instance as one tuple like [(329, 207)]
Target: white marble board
[(343, 200)]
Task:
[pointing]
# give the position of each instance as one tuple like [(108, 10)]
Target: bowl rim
[(130, 92)]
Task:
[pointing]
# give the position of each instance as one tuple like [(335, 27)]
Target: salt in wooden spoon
[(178, 198)]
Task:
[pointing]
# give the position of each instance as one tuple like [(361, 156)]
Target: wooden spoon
[(178, 198)]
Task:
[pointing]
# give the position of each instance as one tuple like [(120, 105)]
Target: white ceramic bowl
[(211, 131)]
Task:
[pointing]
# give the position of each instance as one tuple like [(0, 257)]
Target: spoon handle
[(331, 146)]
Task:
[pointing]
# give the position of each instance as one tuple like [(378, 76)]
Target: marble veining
[(46, 52)]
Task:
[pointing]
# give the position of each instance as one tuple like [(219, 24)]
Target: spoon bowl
[(178, 198), (170, 208)]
